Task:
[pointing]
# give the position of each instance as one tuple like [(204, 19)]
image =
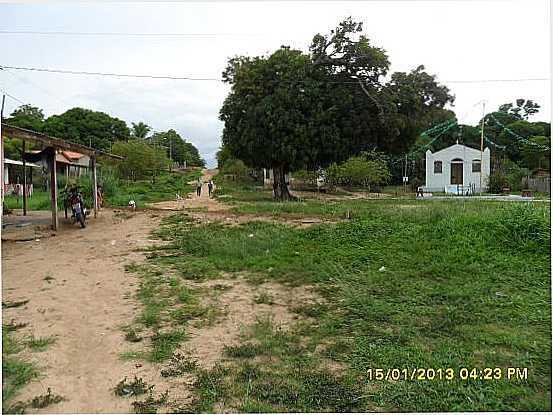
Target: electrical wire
[(11, 96), (188, 78), (139, 34)]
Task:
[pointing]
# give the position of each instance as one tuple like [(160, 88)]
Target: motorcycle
[(74, 199)]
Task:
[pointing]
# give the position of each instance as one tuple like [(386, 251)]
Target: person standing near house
[(210, 187), (199, 184), (100, 196)]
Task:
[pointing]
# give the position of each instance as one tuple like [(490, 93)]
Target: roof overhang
[(30, 135)]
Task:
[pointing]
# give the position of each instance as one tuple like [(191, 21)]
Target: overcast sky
[(455, 40)]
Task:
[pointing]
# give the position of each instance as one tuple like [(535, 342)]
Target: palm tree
[(140, 130)]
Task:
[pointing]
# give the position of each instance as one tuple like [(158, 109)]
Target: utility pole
[(482, 144), (405, 176), (2, 153), (170, 155), (24, 179)]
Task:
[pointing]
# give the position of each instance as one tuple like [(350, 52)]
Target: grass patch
[(40, 200), (288, 380), (13, 304), (178, 365), (13, 326), (464, 284), (42, 401), (264, 298), (132, 388), (39, 344), (151, 404), (165, 187), (164, 344)]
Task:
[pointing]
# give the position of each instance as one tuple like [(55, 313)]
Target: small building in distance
[(68, 163), (13, 177), (457, 169)]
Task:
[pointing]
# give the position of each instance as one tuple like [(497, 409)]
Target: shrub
[(496, 182), (236, 167), (365, 170), (523, 226)]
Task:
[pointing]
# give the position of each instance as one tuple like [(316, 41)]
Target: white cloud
[(456, 40)]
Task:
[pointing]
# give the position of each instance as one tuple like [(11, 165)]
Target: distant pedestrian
[(210, 187), (100, 196), (199, 184)]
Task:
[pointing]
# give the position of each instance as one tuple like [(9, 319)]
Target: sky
[(457, 41)]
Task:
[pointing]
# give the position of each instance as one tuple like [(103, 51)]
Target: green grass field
[(118, 194), (407, 284)]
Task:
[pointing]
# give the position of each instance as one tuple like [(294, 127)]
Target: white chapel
[(457, 167)]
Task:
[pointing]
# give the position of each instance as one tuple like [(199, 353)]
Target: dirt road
[(193, 201), (79, 292)]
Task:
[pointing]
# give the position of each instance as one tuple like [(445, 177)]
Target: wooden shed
[(52, 146)]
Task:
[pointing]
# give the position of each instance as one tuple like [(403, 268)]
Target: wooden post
[(94, 186), (53, 189), (2, 153), (24, 179)]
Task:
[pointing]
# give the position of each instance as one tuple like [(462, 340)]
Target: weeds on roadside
[(39, 344), (264, 298), (13, 304), (132, 388), (132, 336), (42, 401), (178, 365), (150, 405)]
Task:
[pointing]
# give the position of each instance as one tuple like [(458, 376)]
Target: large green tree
[(291, 110), (178, 148), (276, 115), (28, 117), (141, 160), (140, 130), (513, 134), (91, 128)]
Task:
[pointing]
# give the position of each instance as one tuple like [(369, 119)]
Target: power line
[(468, 81), (139, 34), (11, 96), (28, 81), (70, 72), (188, 78)]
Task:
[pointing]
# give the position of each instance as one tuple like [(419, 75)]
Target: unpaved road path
[(79, 292), (210, 204)]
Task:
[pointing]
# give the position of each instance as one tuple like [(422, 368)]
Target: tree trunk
[(280, 187)]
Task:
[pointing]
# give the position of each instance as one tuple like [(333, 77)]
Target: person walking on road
[(210, 187), (199, 184)]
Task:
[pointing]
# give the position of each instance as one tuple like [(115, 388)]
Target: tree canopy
[(91, 128), (293, 110), (179, 149), (28, 117), (140, 130)]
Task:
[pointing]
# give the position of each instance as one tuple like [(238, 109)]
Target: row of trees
[(509, 133), (104, 132), (293, 110)]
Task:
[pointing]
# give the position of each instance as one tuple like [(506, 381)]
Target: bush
[(496, 182), (141, 160), (235, 167), (509, 175), (524, 227), (364, 170)]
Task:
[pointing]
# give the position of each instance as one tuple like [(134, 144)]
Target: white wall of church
[(436, 182)]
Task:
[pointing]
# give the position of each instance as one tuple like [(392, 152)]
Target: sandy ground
[(79, 292), (84, 301)]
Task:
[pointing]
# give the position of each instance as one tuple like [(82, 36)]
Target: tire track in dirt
[(84, 302)]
